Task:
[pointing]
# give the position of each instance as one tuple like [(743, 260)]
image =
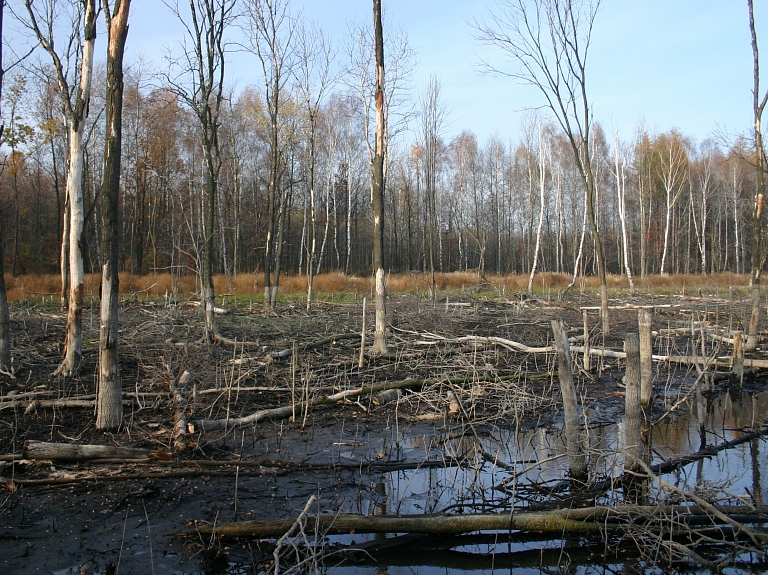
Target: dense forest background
[(686, 205)]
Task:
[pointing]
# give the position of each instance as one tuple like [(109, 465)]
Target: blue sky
[(682, 63)]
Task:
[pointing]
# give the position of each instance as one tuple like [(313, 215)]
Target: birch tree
[(313, 81), (542, 189), (620, 173), (75, 102), (672, 172), (432, 122), (271, 30), (548, 42)]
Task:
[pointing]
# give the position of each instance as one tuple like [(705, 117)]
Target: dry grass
[(251, 285)]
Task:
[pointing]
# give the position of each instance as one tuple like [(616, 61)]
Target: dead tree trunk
[(377, 191), (75, 452), (577, 460), (646, 356), (76, 112), (633, 413), (5, 317), (109, 403), (758, 250)]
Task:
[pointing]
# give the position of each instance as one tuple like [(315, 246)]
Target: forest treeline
[(686, 205)]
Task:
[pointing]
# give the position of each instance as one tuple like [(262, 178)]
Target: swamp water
[(732, 476)]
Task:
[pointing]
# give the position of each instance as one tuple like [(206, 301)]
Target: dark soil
[(87, 516)]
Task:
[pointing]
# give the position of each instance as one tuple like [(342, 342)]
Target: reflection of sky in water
[(739, 471)]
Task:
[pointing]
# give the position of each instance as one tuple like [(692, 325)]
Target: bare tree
[(75, 103), (314, 78), (197, 77), (542, 200), (5, 317), (548, 42), (620, 165), (109, 406), (672, 169), (758, 249), (271, 31), (377, 189), (433, 121)]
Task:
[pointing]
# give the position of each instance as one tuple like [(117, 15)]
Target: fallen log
[(286, 353), (590, 520), (708, 451), (216, 310), (548, 522), (75, 452), (432, 339), (30, 406)]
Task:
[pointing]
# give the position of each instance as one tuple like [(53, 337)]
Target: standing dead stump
[(633, 421), (737, 371), (646, 356), (573, 432)]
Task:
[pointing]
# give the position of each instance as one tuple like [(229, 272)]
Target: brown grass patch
[(251, 285)]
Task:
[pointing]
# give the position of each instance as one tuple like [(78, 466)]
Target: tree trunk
[(542, 183), (646, 356), (77, 452), (555, 522), (758, 250), (5, 317), (589, 520), (577, 460), (74, 337), (621, 197), (633, 414), (377, 191), (109, 406)]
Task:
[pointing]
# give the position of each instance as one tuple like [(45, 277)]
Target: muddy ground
[(59, 516)]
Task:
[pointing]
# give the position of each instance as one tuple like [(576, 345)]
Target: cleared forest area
[(304, 324), (459, 424)]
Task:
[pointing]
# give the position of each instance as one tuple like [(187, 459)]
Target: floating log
[(546, 522), (588, 520), (75, 452)]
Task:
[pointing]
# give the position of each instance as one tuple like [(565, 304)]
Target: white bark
[(621, 182), (542, 187), (74, 338)]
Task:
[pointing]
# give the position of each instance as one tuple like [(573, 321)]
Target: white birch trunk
[(74, 337), (542, 184), (621, 182)]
